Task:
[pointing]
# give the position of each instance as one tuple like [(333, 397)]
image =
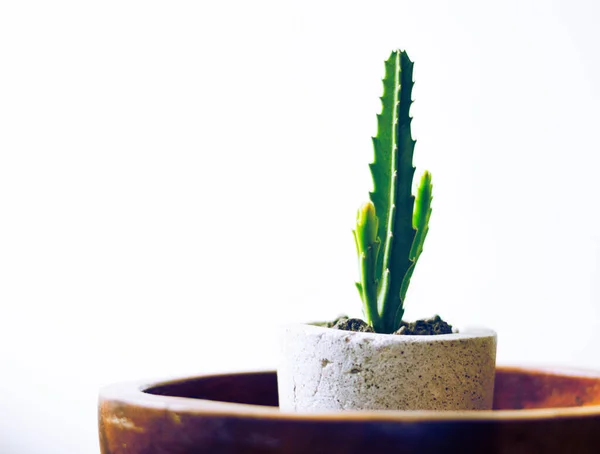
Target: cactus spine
[(391, 228)]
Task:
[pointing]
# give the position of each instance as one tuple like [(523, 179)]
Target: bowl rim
[(135, 393)]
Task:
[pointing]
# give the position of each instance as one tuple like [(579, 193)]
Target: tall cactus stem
[(397, 226)]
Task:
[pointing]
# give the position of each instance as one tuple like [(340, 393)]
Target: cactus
[(391, 228)]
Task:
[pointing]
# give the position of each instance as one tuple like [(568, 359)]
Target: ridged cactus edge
[(391, 228)]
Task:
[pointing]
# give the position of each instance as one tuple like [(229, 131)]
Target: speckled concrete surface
[(323, 369)]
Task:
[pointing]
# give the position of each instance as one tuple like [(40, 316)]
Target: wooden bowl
[(535, 411)]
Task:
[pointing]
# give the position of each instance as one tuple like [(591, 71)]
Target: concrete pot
[(324, 369)]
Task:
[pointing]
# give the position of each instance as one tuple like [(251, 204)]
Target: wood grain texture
[(536, 411)]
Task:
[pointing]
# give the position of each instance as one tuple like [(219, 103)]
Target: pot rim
[(469, 332), (135, 394)]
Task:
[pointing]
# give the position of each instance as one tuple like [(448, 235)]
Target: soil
[(353, 324), (424, 327)]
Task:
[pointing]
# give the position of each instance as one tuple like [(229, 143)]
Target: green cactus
[(391, 228)]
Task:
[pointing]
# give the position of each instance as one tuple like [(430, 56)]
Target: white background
[(179, 178)]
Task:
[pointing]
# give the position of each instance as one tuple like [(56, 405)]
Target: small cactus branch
[(421, 217), (367, 247)]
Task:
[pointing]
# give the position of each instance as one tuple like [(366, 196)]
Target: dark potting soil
[(424, 327), (353, 324)]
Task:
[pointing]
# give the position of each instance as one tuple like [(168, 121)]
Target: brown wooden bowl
[(535, 411)]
